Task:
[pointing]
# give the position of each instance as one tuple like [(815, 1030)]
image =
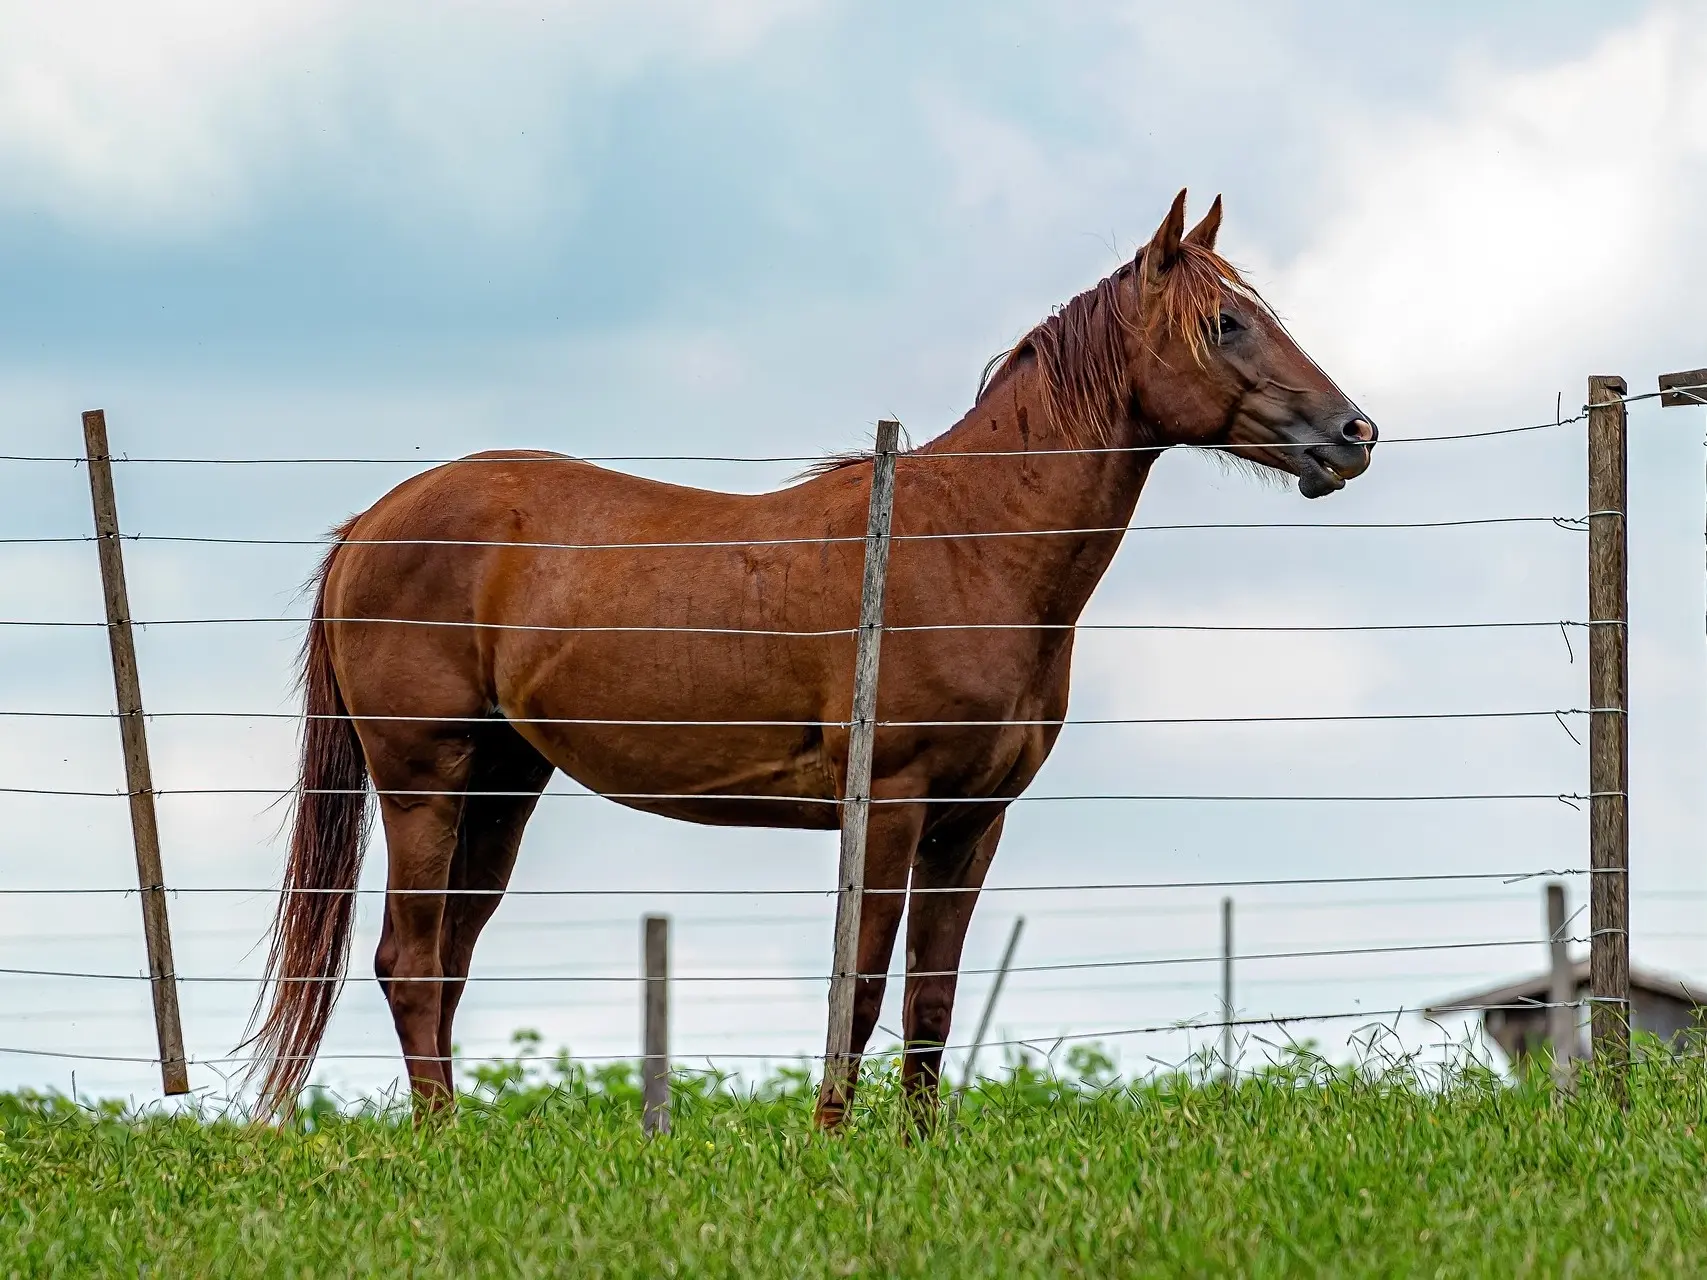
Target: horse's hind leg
[(420, 803), (504, 786), (936, 935)]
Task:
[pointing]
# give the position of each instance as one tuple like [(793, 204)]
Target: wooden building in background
[(1662, 1005)]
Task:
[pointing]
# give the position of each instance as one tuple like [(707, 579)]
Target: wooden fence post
[(971, 1077), (1562, 992), (839, 1066), (1678, 390), (1227, 986), (655, 1032), (1609, 732), (139, 778)]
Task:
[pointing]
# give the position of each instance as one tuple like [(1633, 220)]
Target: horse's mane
[(1080, 347)]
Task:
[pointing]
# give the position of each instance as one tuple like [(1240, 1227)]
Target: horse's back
[(566, 498)]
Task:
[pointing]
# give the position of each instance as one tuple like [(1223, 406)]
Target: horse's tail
[(310, 948)]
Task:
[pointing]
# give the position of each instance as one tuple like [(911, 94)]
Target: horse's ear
[(1204, 233), (1163, 250)]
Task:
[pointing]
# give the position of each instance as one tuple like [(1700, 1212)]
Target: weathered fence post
[(856, 794), (984, 1018), (1609, 731), (1678, 390), (1562, 992), (1227, 986), (655, 1032), (139, 778)]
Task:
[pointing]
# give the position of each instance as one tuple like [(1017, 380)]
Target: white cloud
[(127, 114), (1531, 225), (166, 118), (1518, 227)]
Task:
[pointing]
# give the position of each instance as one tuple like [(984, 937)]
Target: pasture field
[(1303, 1170)]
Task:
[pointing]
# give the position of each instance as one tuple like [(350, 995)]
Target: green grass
[(1305, 1170)]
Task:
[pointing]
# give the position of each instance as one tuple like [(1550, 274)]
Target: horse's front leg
[(936, 934), (891, 839)]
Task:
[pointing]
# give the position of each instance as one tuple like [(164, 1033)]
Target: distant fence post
[(856, 794), (989, 1013), (139, 778), (1562, 993), (1609, 731), (655, 1031), (1227, 985)]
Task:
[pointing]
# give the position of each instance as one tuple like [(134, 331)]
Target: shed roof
[(1536, 989)]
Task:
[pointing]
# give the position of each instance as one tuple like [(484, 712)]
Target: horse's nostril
[(1359, 431)]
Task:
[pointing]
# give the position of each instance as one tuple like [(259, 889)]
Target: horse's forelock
[(1189, 301)]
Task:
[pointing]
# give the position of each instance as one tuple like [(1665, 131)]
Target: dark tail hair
[(310, 948)]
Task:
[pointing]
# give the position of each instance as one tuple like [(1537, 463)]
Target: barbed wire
[(685, 797), (579, 924), (1064, 721), (1368, 1015), (813, 998), (1056, 967), (828, 632), (1505, 877), (1576, 524), (923, 453)]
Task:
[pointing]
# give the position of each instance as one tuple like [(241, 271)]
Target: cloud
[(1544, 219), (1513, 224), (171, 118), (133, 115)]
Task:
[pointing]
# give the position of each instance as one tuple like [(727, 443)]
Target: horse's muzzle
[(1324, 469)]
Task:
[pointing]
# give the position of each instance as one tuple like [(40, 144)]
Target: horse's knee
[(385, 964), (385, 959)]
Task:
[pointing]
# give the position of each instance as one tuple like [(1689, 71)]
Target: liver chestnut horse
[(458, 667)]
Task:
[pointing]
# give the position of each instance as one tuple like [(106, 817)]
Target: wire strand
[(687, 797), (1278, 1020), (1572, 523), (1504, 877), (1377, 716), (830, 632), (925, 454), (1059, 967)]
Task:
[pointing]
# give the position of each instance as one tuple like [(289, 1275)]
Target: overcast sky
[(317, 228)]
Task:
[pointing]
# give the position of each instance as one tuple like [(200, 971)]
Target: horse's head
[(1210, 364)]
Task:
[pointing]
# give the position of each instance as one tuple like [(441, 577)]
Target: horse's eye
[(1227, 325)]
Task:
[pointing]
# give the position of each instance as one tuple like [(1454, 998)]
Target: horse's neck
[(1043, 479)]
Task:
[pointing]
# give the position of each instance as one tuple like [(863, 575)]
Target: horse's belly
[(738, 776)]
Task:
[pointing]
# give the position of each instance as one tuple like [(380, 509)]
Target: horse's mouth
[(1320, 475)]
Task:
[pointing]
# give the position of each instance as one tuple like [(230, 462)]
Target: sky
[(323, 229)]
